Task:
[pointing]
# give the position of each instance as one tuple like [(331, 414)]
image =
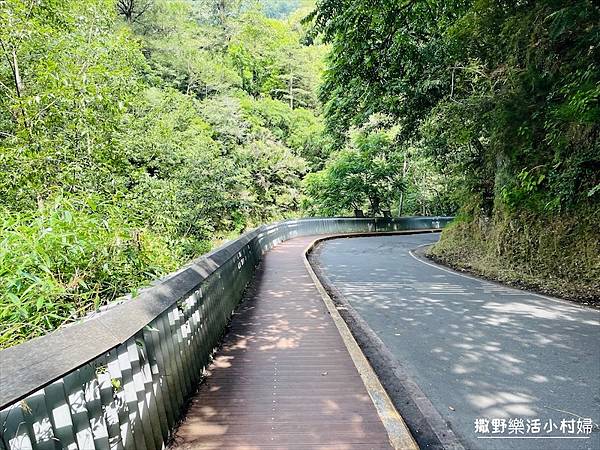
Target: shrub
[(66, 259)]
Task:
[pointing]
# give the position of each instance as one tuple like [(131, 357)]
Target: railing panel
[(110, 404), (36, 417), (141, 438), (166, 339), (93, 401), (145, 399), (159, 384), (175, 351), (60, 414), (191, 311), (13, 419), (78, 408), (120, 402)]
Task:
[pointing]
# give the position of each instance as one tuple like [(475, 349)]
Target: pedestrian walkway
[(283, 378)]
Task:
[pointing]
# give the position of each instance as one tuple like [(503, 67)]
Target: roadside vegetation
[(134, 134)]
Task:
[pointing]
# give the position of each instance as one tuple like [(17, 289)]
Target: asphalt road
[(476, 349)]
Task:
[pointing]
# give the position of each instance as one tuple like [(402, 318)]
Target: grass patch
[(69, 257)]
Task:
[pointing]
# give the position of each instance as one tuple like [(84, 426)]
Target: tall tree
[(132, 10)]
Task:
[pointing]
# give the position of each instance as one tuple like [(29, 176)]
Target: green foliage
[(67, 257), (539, 130), (386, 58), (492, 91), (172, 154), (270, 60), (273, 176), (367, 172), (77, 73), (558, 255), (135, 136), (279, 8), (298, 128), (498, 110), (389, 57)]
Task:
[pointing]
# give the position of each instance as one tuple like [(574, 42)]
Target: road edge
[(419, 253), (398, 432), (428, 414)]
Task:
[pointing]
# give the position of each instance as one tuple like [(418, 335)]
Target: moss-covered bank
[(557, 255)]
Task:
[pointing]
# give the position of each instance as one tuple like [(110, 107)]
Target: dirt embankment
[(557, 256)]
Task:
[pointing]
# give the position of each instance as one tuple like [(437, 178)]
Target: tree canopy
[(498, 110), (137, 134), (502, 94)]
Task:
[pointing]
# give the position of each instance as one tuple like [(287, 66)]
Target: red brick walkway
[(283, 378)]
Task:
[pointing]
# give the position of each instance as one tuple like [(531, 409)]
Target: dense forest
[(134, 134), (138, 134)]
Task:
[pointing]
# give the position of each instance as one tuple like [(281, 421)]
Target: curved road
[(477, 350)]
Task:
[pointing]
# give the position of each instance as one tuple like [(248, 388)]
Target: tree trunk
[(375, 205), (404, 167), (17, 74), (291, 89), (13, 62)]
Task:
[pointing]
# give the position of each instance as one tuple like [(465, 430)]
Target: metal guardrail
[(120, 379)]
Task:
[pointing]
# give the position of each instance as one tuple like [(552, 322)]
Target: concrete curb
[(446, 437), (399, 435)]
